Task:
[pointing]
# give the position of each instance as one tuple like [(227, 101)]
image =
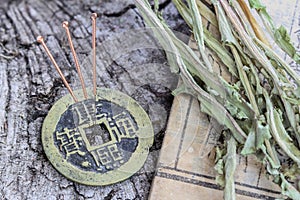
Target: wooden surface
[(29, 86)]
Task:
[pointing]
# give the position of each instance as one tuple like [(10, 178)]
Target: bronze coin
[(97, 141)]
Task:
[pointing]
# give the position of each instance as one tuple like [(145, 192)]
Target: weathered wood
[(29, 86)]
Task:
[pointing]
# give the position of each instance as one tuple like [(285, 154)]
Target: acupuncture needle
[(40, 40), (93, 17), (66, 26)]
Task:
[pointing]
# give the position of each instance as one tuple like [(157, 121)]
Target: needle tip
[(40, 39), (94, 15), (65, 24)]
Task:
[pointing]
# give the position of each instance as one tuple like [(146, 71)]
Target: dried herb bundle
[(261, 108)]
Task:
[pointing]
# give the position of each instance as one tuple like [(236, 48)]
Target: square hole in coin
[(97, 134)]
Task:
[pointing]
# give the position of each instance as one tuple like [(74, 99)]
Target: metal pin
[(40, 40), (93, 17), (66, 26)]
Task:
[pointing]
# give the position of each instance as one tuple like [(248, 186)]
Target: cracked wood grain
[(29, 86)]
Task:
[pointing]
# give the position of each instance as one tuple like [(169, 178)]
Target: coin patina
[(99, 140)]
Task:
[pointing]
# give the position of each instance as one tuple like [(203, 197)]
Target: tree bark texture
[(29, 86)]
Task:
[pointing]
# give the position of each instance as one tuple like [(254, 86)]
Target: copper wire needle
[(66, 26), (40, 40), (93, 17)]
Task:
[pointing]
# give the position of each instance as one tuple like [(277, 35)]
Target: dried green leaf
[(230, 166), (280, 34), (209, 40), (219, 166), (283, 39), (280, 62), (222, 53), (288, 189), (256, 4), (279, 133), (263, 133), (220, 178), (249, 146)]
